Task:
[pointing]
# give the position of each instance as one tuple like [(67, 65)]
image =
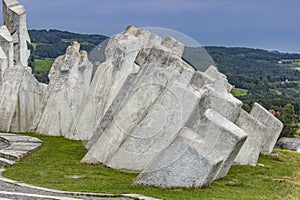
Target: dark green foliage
[(289, 118), (268, 82), (53, 43), (255, 64)]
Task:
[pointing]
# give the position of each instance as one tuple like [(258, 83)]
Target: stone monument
[(70, 77), (145, 110), (14, 17), (20, 92)]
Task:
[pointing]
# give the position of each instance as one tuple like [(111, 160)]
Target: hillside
[(260, 72), (52, 43), (269, 77)]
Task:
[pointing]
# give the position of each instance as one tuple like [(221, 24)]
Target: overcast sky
[(267, 24)]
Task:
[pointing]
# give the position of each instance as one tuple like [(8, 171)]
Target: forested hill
[(53, 43), (255, 63), (265, 75), (237, 63), (269, 77)]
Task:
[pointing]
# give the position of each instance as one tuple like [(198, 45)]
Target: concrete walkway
[(14, 147)]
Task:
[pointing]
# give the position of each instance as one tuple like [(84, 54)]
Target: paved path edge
[(21, 184)]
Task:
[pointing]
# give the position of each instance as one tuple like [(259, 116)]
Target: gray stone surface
[(110, 77), (249, 153), (7, 50), (20, 96), (17, 190), (146, 109), (70, 77), (16, 148), (156, 130), (224, 103), (158, 68), (20, 92), (19, 138), (14, 17), (289, 143), (186, 162), (6, 162), (218, 79), (223, 137), (3, 143), (151, 105), (273, 127)]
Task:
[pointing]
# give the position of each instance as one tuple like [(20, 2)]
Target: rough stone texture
[(3, 62), (273, 127), (249, 153), (146, 109), (20, 95), (218, 79), (6, 50), (186, 162), (18, 147), (140, 117), (289, 143), (19, 138), (70, 77), (176, 47), (110, 77), (20, 92), (135, 100), (14, 17), (224, 103), (223, 136), (153, 132), (216, 95)]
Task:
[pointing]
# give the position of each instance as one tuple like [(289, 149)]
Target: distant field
[(41, 65), (294, 65), (297, 68), (239, 92)]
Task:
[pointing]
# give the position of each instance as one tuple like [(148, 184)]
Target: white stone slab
[(223, 137), (135, 99), (157, 129), (70, 77), (186, 162), (249, 153), (20, 95), (110, 77), (273, 127)]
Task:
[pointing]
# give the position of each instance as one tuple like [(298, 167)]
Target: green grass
[(59, 158), (43, 64), (239, 92)]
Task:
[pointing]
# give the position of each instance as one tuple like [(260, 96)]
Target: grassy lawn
[(59, 158), (239, 92), (43, 64)]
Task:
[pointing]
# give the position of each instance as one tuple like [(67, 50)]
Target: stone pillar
[(6, 44), (273, 127), (249, 153), (14, 17)]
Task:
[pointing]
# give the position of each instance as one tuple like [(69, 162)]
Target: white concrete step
[(6, 163), (15, 147)]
